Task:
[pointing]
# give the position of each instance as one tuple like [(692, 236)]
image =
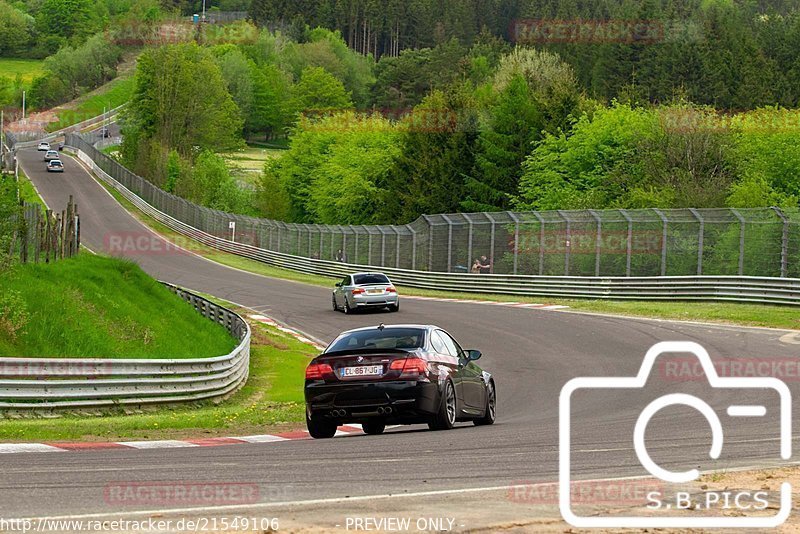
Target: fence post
[(663, 241), (469, 243), (449, 243), (541, 241), (598, 241), (383, 246), (413, 247), (397, 253), (629, 245), (568, 242), (784, 242), (430, 242), (355, 245), (516, 240), (491, 242), (369, 246), (47, 235), (700, 237), (741, 240)]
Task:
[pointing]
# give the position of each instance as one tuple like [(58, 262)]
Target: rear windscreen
[(368, 279), (388, 338)]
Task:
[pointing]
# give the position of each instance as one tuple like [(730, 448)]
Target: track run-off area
[(464, 473)]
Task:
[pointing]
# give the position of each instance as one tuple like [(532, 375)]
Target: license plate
[(363, 370), (374, 291)]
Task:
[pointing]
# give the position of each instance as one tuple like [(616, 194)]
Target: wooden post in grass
[(63, 252), (47, 237), (23, 234), (76, 230), (38, 237)]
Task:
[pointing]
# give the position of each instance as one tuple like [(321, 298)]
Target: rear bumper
[(366, 301), (396, 401)]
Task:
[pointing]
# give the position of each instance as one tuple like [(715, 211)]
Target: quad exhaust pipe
[(343, 413)]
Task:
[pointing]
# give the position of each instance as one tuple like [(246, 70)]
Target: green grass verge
[(272, 400), (98, 307), (715, 312), (27, 192), (113, 94), (27, 69)]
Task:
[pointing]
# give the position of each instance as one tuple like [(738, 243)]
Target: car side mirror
[(338, 284), (473, 355)]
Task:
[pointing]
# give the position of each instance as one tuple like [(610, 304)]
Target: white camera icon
[(715, 381)]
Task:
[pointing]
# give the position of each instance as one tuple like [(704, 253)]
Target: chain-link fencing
[(606, 243)]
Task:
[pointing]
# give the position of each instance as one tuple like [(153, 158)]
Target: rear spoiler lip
[(356, 352)]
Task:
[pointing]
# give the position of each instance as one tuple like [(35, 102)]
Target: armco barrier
[(53, 383), (80, 126), (571, 243), (702, 288)]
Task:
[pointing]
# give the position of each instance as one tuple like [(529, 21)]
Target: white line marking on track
[(28, 447), (261, 439), (361, 498), (792, 338), (163, 444)]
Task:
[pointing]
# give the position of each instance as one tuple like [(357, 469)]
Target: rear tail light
[(410, 367), (318, 371), (358, 291), (391, 289)]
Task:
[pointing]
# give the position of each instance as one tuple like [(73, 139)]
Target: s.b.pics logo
[(762, 403)]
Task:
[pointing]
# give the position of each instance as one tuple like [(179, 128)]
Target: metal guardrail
[(99, 119), (48, 383), (578, 243), (701, 288)]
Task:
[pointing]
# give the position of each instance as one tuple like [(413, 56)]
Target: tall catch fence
[(761, 242)]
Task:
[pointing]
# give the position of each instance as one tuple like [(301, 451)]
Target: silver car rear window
[(369, 279), (388, 338)]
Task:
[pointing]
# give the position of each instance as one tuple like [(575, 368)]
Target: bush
[(13, 314)]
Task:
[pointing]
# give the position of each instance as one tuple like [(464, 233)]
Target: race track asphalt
[(531, 353)]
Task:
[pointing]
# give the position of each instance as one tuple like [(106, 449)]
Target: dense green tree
[(318, 91), (82, 68), (350, 184), (437, 155), (270, 112), (180, 102), (516, 122), (237, 73), (15, 30), (70, 18), (574, 171)]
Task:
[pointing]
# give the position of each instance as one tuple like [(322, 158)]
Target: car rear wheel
[(347, 308), (394, 307), (491, 407), (374, 427), (320, 428), (445, 419)]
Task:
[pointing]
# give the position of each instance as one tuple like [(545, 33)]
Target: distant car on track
[(400, 374), (51, 154), (43, 146), (55, 165), (365, 290)]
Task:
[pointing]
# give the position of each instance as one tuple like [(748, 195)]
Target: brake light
[(391, 289), (318, 371), (410, 367), (357, 291)]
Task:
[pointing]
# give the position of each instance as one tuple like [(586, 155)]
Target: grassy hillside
[(111, 95), (27, 69), (97, 307)]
